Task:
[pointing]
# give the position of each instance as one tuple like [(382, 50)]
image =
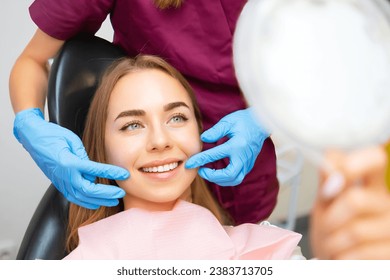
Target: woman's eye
[(132, 126), (178, 119)]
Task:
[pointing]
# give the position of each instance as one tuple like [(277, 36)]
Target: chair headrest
[(74, 77)]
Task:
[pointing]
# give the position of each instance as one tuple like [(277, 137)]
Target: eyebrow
[(173, 105), (131, 113), (139, 112)]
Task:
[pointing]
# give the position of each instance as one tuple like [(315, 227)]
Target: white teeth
[(161, 168)]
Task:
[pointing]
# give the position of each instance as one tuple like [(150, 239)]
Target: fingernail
[(332, 186)]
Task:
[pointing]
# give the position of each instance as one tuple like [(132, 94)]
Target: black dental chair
[(73, 79)]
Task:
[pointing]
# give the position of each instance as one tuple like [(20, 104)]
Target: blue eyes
[(178, 118), (134, 125)]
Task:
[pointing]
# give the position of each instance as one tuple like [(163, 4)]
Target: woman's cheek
[(189, 140), (117, 153)]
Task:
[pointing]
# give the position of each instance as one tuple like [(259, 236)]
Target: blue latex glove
[(60, 154), (245, 143)]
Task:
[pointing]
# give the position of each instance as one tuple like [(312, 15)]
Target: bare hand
[(355, 222)]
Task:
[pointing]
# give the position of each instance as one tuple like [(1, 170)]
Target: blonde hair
[(94, 139)]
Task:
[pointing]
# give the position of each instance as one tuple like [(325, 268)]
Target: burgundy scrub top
[(196, 39)]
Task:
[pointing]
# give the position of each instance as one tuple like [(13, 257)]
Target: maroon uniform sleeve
[(66, 18)]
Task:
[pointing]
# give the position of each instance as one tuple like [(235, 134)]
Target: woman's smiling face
[(151, 130)]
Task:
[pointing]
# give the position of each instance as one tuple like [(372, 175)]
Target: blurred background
[(23, 184)]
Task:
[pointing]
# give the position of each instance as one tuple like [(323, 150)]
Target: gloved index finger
[(103, 170), (219, 130), (211, 155)]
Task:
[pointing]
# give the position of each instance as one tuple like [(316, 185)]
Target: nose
[(159, 139)]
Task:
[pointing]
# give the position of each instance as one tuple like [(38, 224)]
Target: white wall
[(23, 184)]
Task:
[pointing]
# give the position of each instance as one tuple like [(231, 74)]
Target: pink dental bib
[(186, 232)]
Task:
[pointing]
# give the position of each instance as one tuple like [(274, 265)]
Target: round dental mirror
[(317, 72)]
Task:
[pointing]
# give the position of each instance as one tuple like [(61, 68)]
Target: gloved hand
[(243, 147), (60, 154)]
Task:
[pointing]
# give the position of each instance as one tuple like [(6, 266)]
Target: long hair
[(94, 139)]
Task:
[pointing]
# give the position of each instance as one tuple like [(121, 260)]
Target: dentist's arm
[(28, 80), (246, 140), (58, 152)]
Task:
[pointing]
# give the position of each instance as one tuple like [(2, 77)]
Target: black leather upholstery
[(73, 79)]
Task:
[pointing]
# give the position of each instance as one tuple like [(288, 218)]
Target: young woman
[(144, 118)]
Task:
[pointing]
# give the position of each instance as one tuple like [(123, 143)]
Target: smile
[(161, 168)]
